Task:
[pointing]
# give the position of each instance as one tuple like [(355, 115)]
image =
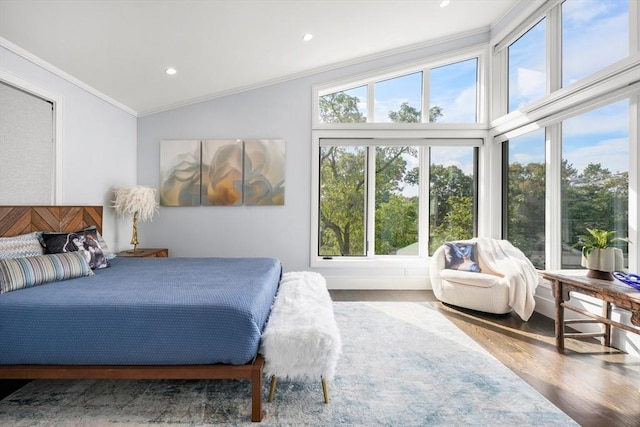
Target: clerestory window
[(449, 92)]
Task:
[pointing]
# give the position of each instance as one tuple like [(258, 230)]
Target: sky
[(595, 35)]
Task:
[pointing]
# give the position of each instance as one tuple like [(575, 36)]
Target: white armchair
[(507, 279)]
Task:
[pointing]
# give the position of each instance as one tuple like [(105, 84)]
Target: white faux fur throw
[(518, 271), (301, 339)]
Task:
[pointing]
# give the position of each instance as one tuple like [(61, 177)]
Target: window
[(451, 96), (372, 193), (527, 67), (595, 176), (452, 189), (348, 106), (524, 224), (595, 34), (342, 201), (396, 201), (28, 166), (454, 92), (399, 99)]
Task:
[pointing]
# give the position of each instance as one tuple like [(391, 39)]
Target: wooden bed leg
[(325, 390), (272, 389), (256, 389)]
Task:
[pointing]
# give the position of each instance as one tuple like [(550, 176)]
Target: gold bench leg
[(272, 389), (325, 391)]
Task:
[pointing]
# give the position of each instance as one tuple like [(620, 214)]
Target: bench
[(301, 340)]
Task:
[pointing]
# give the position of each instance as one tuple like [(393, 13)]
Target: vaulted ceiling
[(122, 48)]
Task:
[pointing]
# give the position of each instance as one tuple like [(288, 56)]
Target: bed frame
[(16, 220)]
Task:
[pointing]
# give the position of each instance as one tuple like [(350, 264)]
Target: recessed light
[(171, 71), (307, 37), (445, 3)]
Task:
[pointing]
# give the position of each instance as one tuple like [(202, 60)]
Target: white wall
[(99, 142), (278, 111)]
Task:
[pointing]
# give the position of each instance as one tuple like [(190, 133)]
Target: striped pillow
[(21, 246), (19, 273)]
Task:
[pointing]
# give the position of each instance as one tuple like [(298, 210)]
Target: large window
[(451, 96), (567, 157), (371, 193)]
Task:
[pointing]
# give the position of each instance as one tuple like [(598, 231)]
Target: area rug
[(403, 364)]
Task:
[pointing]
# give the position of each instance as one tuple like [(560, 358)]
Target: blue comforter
[(143, 311)]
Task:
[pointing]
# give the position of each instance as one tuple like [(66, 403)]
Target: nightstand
[(146, 253)]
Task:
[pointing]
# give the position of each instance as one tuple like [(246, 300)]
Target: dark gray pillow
[(84, 241)]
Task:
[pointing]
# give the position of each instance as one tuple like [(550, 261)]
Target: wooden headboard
[(16, 220)]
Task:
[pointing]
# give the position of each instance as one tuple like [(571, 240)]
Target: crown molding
[(63, 75)]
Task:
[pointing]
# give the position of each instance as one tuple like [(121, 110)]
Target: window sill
[(372, 262)]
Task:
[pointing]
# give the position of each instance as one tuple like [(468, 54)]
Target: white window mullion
[(634, 182), (371, 101), (423, 202), (553, 196), (426, 96), (554, 49), (370, 212)]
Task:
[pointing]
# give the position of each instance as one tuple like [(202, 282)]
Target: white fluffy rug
[(403, 364)]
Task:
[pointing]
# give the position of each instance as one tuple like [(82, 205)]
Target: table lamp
[(138, 201)]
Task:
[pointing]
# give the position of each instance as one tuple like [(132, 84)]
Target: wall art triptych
[(222, 172)]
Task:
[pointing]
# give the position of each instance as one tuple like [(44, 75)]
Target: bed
[(141, 318)]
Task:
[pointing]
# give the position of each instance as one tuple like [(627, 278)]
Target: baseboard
[(397, 283), (622, 340)]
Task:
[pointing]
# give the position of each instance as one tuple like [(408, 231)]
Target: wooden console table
[(621, 295)]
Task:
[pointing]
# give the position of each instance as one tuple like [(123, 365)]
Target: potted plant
[(598, 255)]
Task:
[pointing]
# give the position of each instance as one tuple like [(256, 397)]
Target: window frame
[(480, 53), (57, 102), (613, 83), (423, 139)]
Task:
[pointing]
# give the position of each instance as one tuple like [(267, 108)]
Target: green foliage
[(597, 238), (408, 114), (457, 223), (342, 201), (595, 199), (340, 108)]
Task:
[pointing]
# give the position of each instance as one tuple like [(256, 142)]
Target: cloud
[(612, 154), (462, 157)]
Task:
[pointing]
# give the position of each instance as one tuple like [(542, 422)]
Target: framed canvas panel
[(221, 173), (264, 172), (180, 172)]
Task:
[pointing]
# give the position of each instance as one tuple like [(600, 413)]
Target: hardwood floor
[(595, 385)]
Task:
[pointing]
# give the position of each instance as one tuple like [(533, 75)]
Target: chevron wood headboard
[(16, 220)]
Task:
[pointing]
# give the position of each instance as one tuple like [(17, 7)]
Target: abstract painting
[(217, 172), (180, 173), (264, 170), (221, 173)]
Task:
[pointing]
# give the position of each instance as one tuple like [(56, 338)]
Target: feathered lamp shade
[(137, 201)]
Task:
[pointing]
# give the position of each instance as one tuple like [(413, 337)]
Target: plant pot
[(601, 262)]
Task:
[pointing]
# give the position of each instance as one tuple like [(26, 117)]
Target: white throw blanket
[(518, 271)]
